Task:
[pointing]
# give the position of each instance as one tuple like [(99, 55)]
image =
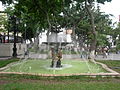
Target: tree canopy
[(80, 15)]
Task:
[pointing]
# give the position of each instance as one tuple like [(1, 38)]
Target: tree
[(89, 4), (90, 31), (116, 36), (7, 1), (47, 15), (3, 22)]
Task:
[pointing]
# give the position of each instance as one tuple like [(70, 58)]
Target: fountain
[(56, 58), (55, 42), (37, 64)]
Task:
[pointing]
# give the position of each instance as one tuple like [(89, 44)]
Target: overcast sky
[(1, 6), (112, 8), (109, 8)]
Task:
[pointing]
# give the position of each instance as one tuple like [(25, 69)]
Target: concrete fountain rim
[(74, 74)]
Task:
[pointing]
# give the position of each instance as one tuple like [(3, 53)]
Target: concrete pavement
[(4, 58), (111, 56)]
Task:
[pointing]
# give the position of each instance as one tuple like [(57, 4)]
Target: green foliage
[(118, 46), (116, 36), (5, 62), (38, 17), (3, 22), (7, 1), (102, 40), (103, 1)]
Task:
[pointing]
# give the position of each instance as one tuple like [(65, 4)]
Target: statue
[(52, 56), (56, 57), (59, 55)]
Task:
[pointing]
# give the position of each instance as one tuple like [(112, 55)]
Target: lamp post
[(8, 28), (25, 31), (14, 22)]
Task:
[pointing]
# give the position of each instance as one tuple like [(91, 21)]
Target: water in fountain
[(54, 66), (83, 55), (87, 53)]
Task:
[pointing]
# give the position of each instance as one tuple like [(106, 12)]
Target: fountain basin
[(43, 67)]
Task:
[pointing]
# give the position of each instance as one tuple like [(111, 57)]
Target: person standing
[(0, 38), (104, 52)]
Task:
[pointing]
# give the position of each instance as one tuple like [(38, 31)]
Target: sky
[(109, 8), (112, 8), (1, 7)]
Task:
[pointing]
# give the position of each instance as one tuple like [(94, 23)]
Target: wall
[(6, 49)]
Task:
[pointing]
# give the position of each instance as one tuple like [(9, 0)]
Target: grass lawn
[(5, 62), (26, 82), (61, 86), (113, 64), (43, 67), (15, 82)]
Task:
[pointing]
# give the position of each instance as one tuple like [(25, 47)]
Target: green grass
[(40, 66), (112, 64), (31, 82), (62, 84), (5, 62)]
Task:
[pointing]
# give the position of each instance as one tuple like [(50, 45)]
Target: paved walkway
[(111, 56), (4, 58)]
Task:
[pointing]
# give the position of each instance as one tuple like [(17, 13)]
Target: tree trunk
[(74, 36), (93, 31), (48, 32), (49, 29), (37, 42), (8, 35), (17, 38), (4, 37)]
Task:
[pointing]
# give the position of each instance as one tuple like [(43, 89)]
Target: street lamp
[(8, 27), (25, 31), (14, 22)]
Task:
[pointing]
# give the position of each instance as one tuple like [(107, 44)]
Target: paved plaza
[(111, 56)]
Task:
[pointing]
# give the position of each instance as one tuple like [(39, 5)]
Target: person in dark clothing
[(0, 38)]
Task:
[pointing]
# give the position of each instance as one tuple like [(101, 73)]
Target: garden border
[(75, 74)]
